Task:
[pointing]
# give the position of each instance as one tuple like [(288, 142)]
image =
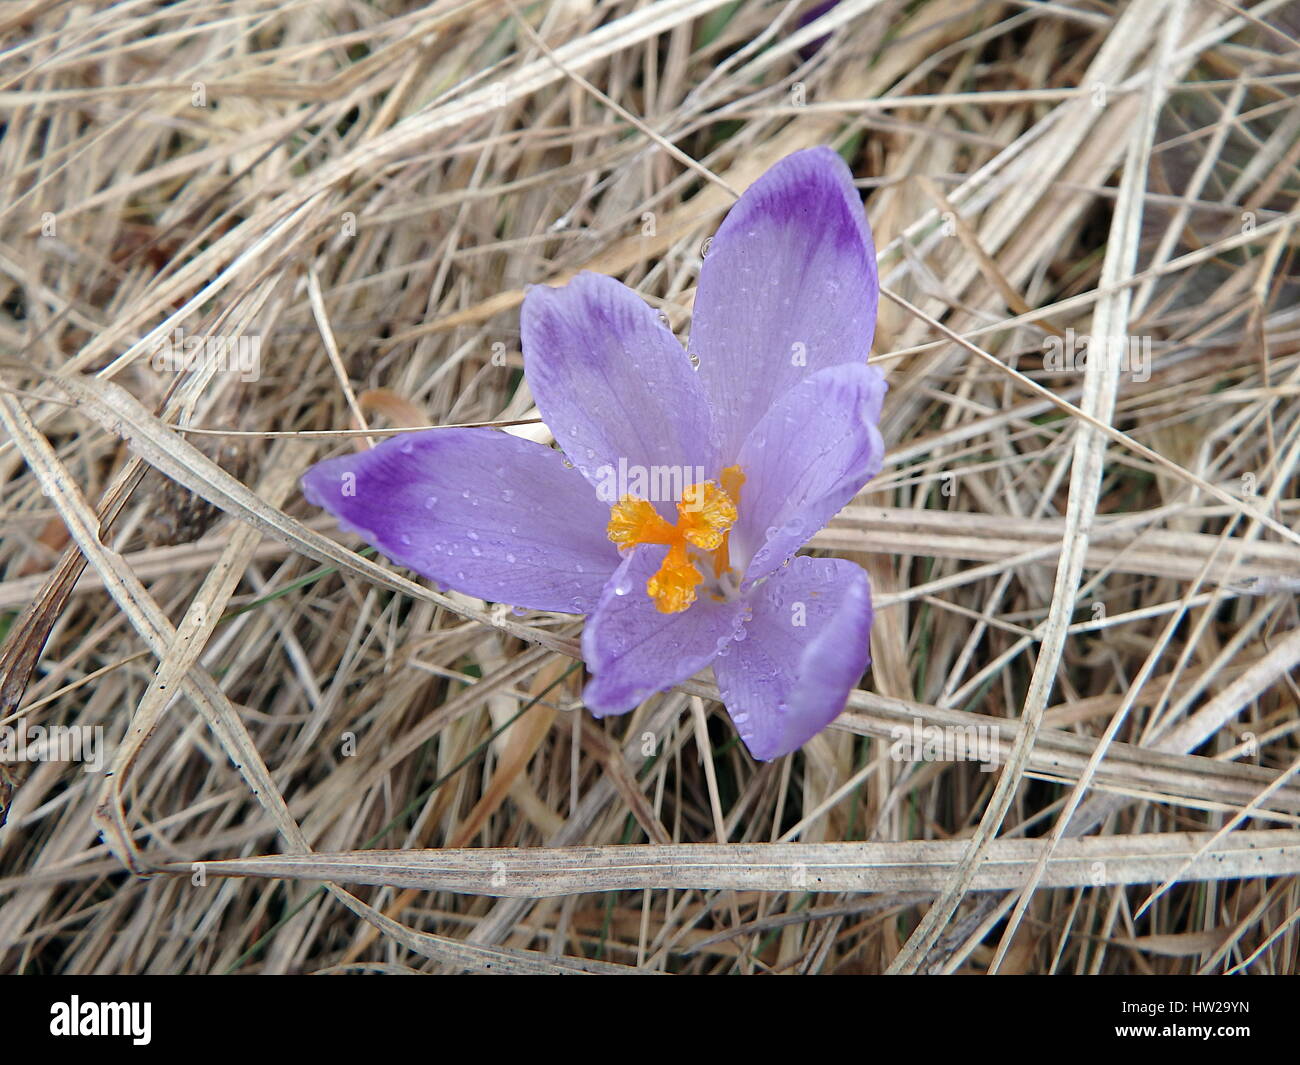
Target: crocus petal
[(633, 651), (613, 383), (487, 514), (803, 651), (808, 456), (788, 287), (810, 49)]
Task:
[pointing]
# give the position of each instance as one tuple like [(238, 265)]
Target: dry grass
[(1101, 569)]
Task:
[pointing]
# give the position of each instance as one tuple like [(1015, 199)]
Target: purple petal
[(804, 650), (484, 513), (633, 651), (808, 456), (811, 15), (613, 383), (788, 287)]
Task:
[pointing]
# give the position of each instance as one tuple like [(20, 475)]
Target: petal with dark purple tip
[(613, 383), (487, 514), (633, 651), (810, 49), (805, 648), (808, 456), (788, 287)]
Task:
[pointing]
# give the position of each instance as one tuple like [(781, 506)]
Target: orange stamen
[(733, 478), (705, 516)]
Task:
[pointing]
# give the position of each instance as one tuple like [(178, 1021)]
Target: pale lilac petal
[(804, 650), (484, 513), (788, 287), (809, 455), (810, 49), (633, 651), (613, 383)]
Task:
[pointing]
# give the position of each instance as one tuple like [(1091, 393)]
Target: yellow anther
[(673, 586), (635, 521), (705, 514), (733, 478)]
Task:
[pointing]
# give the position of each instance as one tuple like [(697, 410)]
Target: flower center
[(705, 515)]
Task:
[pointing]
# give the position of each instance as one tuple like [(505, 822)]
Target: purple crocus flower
[(686, 484), (812, 15)]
